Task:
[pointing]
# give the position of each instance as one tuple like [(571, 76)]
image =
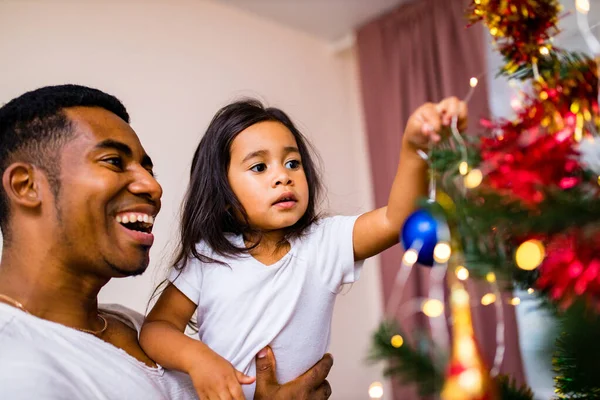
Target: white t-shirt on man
[(247, 305), (40, 359)]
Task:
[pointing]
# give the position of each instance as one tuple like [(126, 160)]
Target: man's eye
[(292, 164), (114, 161), (258, 168)]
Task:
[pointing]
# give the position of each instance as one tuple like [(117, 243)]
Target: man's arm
[(312, 385)]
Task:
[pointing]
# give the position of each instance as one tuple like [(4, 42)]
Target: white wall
[(174, 64)]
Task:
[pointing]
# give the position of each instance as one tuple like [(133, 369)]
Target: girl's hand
[(215, 378), (425, 123)]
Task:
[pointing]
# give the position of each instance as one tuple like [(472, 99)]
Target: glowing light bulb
[(515, 103), (462, 273), (442, 252), (466, 348), (410, 257), (530, 255), (544, 51), (488, 299), (470, 380), (473, 178), (530, 290), (583, 6), (460, 297), (515, 301), (433, 308), (376, 390), (473, 82), (463, 168), (490, 277), (397, 341)]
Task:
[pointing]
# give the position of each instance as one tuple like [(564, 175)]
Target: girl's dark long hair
[(210, 206)]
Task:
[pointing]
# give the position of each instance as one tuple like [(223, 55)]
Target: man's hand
[(309, 386), (215, 378)]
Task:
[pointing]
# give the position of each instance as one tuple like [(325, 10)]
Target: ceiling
[(334, 21), (329, 20)]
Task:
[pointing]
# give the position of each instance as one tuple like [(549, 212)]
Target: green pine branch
[(558, 61), (416, 365), (488, 226), (508, 389), (407, 363), (577, 354)]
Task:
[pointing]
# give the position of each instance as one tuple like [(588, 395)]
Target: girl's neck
[(269, 248)]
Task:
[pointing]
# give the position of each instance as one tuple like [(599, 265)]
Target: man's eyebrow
[(114, 144), (125, 149)]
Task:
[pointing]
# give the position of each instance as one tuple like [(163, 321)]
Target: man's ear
[(21, 186)]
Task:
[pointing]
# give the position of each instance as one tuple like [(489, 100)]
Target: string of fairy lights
[(528, 256)]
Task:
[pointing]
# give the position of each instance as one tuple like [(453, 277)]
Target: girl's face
[(267, 176)]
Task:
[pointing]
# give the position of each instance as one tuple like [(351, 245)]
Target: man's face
[(108, 197)]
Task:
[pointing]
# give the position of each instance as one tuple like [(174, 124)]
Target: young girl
[(255, 260)]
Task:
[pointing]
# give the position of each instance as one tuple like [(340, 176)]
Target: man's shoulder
[(5, 318), (11, 324), (127, 315)]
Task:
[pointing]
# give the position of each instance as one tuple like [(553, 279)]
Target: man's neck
[(50, 290)]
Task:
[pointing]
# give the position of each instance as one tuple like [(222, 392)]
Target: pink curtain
[(423, 51)]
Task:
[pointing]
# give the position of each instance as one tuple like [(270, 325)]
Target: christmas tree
[(517, 205)]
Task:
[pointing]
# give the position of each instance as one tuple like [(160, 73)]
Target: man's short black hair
[(34, 128)]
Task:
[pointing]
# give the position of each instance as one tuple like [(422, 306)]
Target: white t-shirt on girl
[(247, 305)]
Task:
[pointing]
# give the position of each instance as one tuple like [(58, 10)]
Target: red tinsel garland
[(571, 268)]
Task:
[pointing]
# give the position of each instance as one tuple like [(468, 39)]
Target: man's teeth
[(131, 218)]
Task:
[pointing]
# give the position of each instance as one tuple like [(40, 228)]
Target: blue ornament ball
[(421, 226)]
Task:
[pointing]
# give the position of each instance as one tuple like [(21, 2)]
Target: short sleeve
[(334, 251), (188, 280)]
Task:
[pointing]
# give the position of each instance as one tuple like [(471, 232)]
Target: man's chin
[(124, 272)]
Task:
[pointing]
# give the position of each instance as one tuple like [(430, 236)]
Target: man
[(77, 204)]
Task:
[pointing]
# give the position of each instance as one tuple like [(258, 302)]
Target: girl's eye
[(293, 164), (259, 168)]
